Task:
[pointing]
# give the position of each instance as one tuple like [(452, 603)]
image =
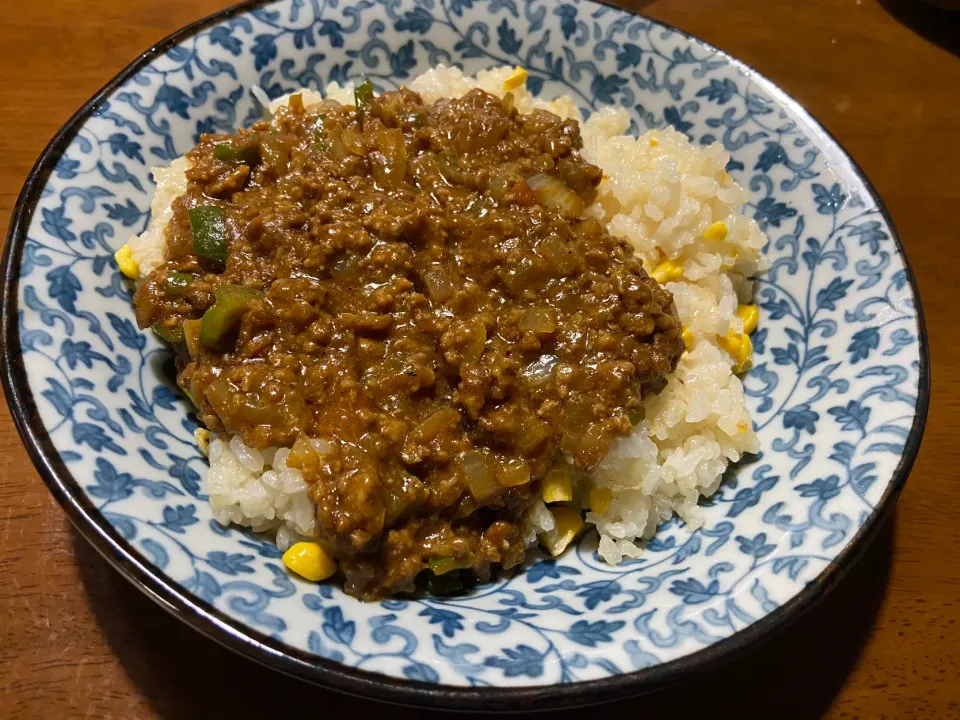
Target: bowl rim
[(272, 653)]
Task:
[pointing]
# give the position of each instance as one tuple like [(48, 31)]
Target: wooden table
[(76, 640)]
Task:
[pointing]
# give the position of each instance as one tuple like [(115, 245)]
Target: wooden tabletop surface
[(76, 640)]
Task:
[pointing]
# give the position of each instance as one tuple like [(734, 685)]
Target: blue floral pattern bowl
[(839, 390)]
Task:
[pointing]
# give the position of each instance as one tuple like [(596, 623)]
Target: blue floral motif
[(834, 388), (177, 519), (518, 661)]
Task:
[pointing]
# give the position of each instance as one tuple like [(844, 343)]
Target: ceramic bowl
[(839, 389)]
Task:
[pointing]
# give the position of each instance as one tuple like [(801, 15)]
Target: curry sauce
[(420, 286)]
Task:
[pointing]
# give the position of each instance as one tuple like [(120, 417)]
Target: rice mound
[(149, 249), (257, 489), (660, 193)]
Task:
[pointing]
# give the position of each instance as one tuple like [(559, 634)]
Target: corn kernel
[(556, 485), (600, 499), (717, 232), (202, 438), (667, 271), (568, 526), (750, 314), (687, 336), (730, 342), (128, 266), (654, 142), (309, 561), (518, 78), (740, 348), (741, 427)]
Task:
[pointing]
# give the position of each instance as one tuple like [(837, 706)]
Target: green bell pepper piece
[(228, 152), (225, 314), (209, 234), (172, 335), (442, 566), (177, 283), (363, 97)]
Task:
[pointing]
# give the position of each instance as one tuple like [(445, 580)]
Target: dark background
[(884, 77)]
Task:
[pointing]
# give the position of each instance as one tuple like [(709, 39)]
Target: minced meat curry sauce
[(416, 285)]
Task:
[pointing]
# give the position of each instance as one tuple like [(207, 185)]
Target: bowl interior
[(834, 390)]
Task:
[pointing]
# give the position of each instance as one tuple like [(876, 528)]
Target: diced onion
[(321, 446), (538, 320), (514, 472), (540, 370), (191, 333), (435, 424), (559, 253), (553, 193), (480, 475), (440, 285), (353, 139), (389, 163), (576, 424), (339, 150), (476, 335), (532, 433)]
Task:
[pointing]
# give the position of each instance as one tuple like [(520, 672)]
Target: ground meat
[(423, 292)]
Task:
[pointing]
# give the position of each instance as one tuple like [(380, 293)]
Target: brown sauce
[(432, 303)]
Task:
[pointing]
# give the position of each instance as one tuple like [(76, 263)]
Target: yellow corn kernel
[(730, 342), (687, 336), (741, 427), (202, 438), (717, 232), (654, 142), (309, 561), (667, 271), (750, 314), (600, 499), (556, 485), (518, 78), (740, 348), (568, 526), (128, 266)]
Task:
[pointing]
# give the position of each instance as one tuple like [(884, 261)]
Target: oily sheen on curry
[(416, 285)]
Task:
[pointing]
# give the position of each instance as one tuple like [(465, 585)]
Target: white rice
[(257, 489), (309, 98), (660, 193), (150, 248)]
